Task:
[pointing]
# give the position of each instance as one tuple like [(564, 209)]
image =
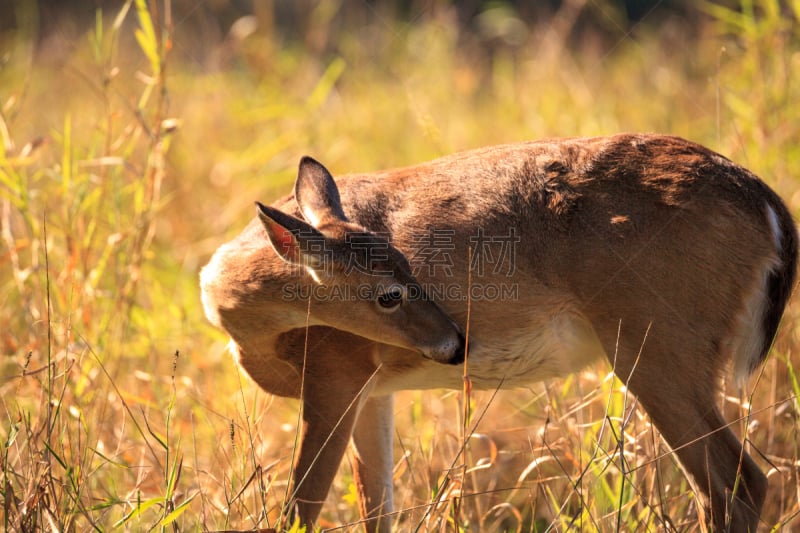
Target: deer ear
[(290, 237), (316, 193)]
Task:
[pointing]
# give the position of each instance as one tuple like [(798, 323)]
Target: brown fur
[(624, 244)]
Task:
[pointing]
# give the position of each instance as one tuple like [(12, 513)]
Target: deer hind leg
[(338, 374), (680, 393)]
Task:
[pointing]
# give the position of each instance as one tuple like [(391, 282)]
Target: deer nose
[(459, 353), (450, 352)]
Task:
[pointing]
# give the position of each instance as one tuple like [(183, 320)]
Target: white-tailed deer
[(662, 256)]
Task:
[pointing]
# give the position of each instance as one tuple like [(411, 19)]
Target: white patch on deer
[(772, 218), (314, 275), (748, 338)]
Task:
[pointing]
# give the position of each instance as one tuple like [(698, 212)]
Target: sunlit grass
[(126, 161)]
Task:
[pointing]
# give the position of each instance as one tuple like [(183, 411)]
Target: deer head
[(350, 278)]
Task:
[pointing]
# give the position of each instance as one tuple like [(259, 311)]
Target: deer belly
[(552, 346)]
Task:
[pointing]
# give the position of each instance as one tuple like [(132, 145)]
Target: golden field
[(132, 147)]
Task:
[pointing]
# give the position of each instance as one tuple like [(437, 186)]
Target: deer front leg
[(336, 378), (373, 461), (327, 427)]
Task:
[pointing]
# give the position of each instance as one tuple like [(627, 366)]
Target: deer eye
[(391, 298)]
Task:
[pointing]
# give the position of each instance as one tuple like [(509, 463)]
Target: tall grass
[(127, 158)]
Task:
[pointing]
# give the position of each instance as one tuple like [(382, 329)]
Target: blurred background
[(136, 136)]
